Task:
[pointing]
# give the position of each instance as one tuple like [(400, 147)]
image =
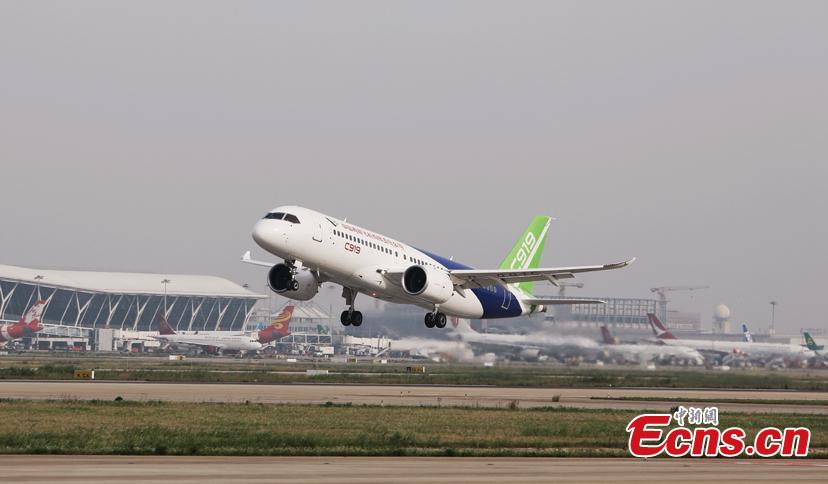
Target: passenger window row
[(380, 248)]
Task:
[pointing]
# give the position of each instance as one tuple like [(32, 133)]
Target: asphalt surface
[(405, 395), (88, 469)]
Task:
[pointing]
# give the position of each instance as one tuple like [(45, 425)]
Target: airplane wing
[(536, 301), (471, 278), (247, 260)]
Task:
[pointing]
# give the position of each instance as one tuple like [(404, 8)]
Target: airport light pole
[(165, 282), (772, 330), (38, 278)]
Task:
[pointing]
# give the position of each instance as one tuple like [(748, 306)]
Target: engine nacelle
[(279, 278), (432, 285)]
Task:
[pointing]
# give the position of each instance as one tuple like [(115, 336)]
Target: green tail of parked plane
[(811, 344)]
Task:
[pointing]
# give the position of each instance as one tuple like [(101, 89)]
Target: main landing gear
[(435, 319), (350, 317)]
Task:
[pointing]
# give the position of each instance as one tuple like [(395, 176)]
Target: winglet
[(620, 265)]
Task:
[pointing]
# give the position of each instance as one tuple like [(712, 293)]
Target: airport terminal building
[(126, 301)]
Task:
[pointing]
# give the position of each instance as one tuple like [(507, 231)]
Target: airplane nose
[(268, 234)]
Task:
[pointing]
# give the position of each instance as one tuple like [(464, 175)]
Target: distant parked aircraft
[(28, 325), (765, 353), (645, 352), (210, 342)]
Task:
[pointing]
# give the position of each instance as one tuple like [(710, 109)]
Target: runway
[(346, 470), (406, 395)]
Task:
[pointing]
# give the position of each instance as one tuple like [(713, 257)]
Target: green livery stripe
[(527, 251)]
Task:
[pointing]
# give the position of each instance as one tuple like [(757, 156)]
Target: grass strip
[(183, 428), (518, 376), (758, 401)]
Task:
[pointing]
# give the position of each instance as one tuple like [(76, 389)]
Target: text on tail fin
[(526, 253)]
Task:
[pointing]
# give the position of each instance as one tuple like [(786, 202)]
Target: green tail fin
[(810, 343), (526, 254)]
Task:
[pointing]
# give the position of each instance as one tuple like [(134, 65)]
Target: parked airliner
[(766, 353), (645, 352), (28, 325), (318, 248)]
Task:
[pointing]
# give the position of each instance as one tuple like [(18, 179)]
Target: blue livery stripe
[(497, 301)]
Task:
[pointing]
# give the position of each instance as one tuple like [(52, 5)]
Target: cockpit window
[(275, 215), (291, 218)]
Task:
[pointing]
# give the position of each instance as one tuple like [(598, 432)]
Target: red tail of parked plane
[(279, 328), (608, 338), (28, 324), (163, 326), (659, 329)]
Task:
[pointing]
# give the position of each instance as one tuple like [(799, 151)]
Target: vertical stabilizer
[(746, 336), (34, 316), (526, 253), (607, 336), (659, 329), (164, 327), (811, 344), (279, 328)]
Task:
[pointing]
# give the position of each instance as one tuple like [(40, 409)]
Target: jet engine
[(280, 279), (429, 284)]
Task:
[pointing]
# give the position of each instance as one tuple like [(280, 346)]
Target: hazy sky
[(150, 136)]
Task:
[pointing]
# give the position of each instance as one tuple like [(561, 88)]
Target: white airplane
[(526, 347), (317, 248), (791, 355), (209, 343), (644, 352)]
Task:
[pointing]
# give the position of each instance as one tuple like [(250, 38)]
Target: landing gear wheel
[(429, 320), (293, 285), (345, 319), (439, 320), (356, 318)]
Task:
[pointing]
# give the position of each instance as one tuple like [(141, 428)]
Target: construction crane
[(662, 297), (563, 285)]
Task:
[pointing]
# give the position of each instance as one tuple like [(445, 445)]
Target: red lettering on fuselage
[(352, 248), (375, 236)]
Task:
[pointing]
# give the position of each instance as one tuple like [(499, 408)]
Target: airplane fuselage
[(241, 342), (649, 352)]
